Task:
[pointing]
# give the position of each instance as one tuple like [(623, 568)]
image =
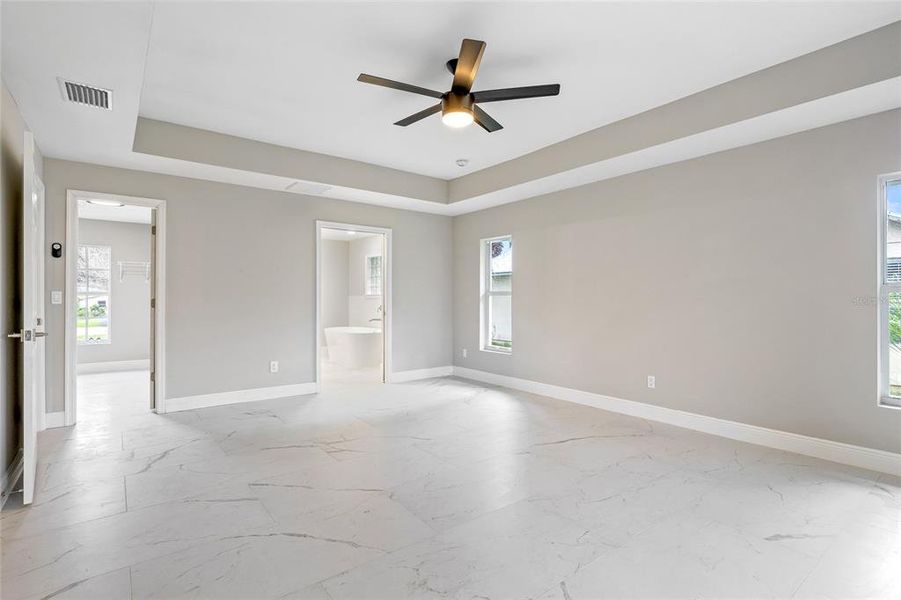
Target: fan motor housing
[(451, 102)]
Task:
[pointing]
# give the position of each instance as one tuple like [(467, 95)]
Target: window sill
[(93, 343), (890, 403), (506, 351)]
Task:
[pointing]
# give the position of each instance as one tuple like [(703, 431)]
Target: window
[(497, 294), (93, 295), (373, 271), (890, 292)]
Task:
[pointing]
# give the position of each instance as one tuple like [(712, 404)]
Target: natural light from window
[(373, 275), (92, 311), (497, 294), (890, 297)]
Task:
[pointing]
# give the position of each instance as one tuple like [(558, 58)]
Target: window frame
[(367, 273), (885, 398), (109, 295), (486, 293)]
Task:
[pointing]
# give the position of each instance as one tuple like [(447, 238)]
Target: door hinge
[(153, 230), (153, 376), (153, 303)]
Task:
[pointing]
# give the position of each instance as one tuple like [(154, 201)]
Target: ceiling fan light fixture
[(457, 118), (458, 107), (456, 110)]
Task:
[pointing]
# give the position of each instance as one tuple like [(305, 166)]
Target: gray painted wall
[(360, 307), (334, 284), (236, 301), (12, 129), (12, 143), (733, 278), (129, 299)]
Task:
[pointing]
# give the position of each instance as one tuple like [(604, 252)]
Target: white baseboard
[(238, 396), (55, 419), (118, 365), (413, 375), (857, 456), (10, 476)]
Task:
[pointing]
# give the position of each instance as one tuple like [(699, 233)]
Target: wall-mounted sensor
[(56, 250)]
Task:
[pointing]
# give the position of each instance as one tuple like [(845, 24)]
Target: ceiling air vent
[(86, 94), (308, 187)]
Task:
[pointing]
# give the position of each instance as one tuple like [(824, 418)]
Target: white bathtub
[(354, 347)]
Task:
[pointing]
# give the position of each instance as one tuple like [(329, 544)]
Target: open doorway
[(113, 316), (353, 303)]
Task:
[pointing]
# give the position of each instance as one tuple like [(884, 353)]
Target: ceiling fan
[(459, 106)]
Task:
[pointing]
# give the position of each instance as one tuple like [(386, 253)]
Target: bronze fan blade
[(468, 65), (530, 91), (397, 85), (419, 116), (485, 120)]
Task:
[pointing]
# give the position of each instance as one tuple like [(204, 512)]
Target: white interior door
[(32, 333)]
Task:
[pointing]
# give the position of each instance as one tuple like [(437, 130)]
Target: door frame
[(159, 289), (387, 314)]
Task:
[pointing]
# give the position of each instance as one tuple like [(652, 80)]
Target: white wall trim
[(55, 419), (415, 374), (10, 476), (116, 365), (858, 456), (159, 332), (238, 396)]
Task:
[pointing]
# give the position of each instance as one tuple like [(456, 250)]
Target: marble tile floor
[(435, 489)]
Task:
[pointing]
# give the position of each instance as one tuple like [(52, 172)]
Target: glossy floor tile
[(435, 489)]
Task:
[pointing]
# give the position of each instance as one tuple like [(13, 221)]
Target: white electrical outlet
[(56, 297), (273, 366), (652, 382), (465, 352)]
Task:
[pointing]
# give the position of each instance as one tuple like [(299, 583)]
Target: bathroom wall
[(362, 308), (334, 280)]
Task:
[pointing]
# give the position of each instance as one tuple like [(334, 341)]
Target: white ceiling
[(285, 72), (122, 214)]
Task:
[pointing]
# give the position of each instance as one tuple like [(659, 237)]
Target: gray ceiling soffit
[(854, 63), (169, 140), (852, 78)]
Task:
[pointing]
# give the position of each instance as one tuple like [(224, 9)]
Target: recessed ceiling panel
[(285, 73)]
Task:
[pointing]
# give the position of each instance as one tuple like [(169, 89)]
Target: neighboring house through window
[(93, 294), (497, 294), (890, 292)]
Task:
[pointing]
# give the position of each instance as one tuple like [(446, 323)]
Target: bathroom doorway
[(353, 279)]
